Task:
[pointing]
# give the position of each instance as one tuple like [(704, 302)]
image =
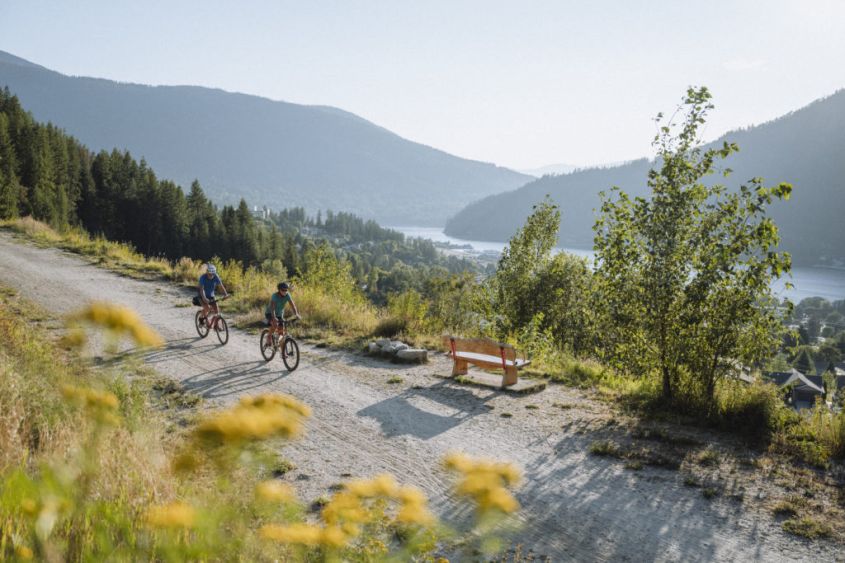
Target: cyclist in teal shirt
[(276, 307)]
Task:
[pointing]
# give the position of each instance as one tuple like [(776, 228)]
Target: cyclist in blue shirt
[(207, 284), (276, 307)]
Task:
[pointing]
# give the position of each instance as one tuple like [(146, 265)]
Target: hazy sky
[(521, 84)]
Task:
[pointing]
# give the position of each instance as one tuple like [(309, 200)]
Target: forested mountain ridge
[(49, 175), (805, 148), (272, 153)]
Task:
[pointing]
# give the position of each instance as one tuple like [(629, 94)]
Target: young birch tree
[(683, 276)]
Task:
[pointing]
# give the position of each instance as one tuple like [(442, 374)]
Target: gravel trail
[(575, 506)]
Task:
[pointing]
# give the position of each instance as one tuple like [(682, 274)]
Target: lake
[(809, 282)]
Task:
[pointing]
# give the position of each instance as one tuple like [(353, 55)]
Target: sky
[(521, 84)]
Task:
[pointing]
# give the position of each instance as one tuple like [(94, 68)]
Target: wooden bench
[(485, 353)]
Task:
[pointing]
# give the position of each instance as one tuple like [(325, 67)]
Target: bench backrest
[(480, 346)]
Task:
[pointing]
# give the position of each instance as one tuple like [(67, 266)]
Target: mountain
[(272, 153), (805, 148), (550, 169)]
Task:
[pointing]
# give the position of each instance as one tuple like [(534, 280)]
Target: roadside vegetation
[(97, 465)]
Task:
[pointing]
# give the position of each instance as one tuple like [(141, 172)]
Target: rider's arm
[(202, 294), (295, 310), (223, 287)]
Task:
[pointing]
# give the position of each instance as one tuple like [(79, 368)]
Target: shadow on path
[(406, 413)]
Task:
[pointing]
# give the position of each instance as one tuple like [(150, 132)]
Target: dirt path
[(575, 506)]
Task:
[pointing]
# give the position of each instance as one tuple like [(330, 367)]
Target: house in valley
[(800, 391)]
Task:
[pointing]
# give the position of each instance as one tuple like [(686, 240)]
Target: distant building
[(803, 389)]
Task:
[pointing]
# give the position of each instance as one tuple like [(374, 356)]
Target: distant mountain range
[(272, 153), (550, 169), (805, 148)]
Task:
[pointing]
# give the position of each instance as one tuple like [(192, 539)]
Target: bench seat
[(485, 353), (492, 361)]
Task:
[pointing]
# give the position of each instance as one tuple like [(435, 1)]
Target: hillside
[(805, 148), (271, 153)]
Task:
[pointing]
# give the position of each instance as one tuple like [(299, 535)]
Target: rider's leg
[(215, 308), (204, 310)]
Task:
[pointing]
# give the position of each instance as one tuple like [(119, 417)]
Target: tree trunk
[(667, 384)]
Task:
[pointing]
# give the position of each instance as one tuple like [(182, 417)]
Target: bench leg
[(460, 367), (511, 376)]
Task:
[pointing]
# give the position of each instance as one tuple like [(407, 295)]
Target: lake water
[(809, 282)]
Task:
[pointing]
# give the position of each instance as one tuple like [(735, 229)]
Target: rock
[(412, 355), (400, 346), (388, 351), (373, 348), (382, 342)]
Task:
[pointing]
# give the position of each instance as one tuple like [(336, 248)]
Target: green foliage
[(324, 270), (807, 527), (803, 361), (410, 309), (534, 287), (683, 276)]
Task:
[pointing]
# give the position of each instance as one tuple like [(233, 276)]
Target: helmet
[(282, 285), (211, 269)]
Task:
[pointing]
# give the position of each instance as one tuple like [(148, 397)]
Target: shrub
[(605, 448), (808, 528), (390, 327)]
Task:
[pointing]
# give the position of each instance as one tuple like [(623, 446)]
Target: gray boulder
[(412, 355)]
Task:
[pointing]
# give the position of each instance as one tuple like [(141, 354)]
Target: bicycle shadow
[(233, 380), (172, 350)]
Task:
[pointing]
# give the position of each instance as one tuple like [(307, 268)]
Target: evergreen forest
[(49, 175)]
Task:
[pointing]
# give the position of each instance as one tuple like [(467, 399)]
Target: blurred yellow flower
[(273, 491), (173, 515), (118, 320), (255, 418), (485, 481), (101, 405), (304, 534), (23, 552)]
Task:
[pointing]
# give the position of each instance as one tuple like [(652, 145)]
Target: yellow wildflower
[(273, 491), (485, 482), (91, 397), (75, 338), (255, 418), (457, 461), (498, 499), (334, 536), (119, 320), (304, 534), (23, 552), (414, 514), (345, 507), (174, 515)]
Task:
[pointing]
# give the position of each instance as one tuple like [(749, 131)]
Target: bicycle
[(273, 339), (221, 328)]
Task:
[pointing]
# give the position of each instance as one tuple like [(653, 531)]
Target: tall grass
[(91, 470), (346, 312)]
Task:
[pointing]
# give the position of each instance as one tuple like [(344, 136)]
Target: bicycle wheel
[(202, 327), (290, 353), (268, 351), (222, 330)]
